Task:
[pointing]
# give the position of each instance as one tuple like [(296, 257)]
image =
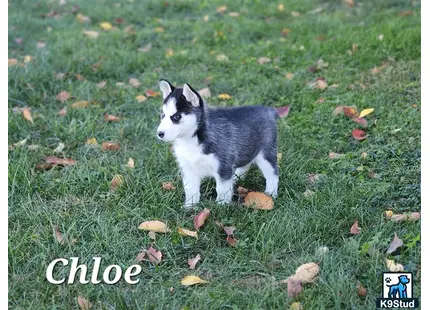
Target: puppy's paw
[(223, 201), (273, 194)]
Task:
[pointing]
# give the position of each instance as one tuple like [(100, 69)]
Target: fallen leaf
[(229, 230), (296, 306), (380, 37), (399, 218), (395, 244), (101, 84), (361, 290), (285, 31), (169, 52), (361, 121), (156, 226), (200, 218), (12, 62), (130, 163), (281, 7), (233, 14), (151, 93), (19, 143), (366, 112), (91, 141), (83, 19), (321, 64), (259, 201), (159, 29), (306, 273), (152, 235), (191, 280), (389, 214), (224, 96), (91, 34), (414, 216), (322, 250), (106, 26), (193, 261), (405, 13), (168, 186), (206, 18), (63, 96), (79, 77), (111, 118), (145, 49), (59, 148), (59, 161), (80, 104), (140, 256), (186, 232), (205, 92), (283, 111), (43, 166), (311, 178), (338, 110), (117, 180), (231, 241), (242, 191), (294, 287), (221, 9), (359, 134), (350, 3), (279, 157), (289, 76), (392, 266), (154, 255), (263, 60), (350, 112), (28, 58), (308, 193), (58, 235), (321, 84), (134, 82), (395, 130), (111, 146), (27, 115), (140, 98), (84, 304), (355, 229), (354, 47), (221, 57), (333, 155)]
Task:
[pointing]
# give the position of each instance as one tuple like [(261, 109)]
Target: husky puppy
[(220, 143)]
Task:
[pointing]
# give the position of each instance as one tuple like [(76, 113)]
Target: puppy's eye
[(176, 118)]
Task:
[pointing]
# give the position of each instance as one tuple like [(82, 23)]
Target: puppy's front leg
[(191, 183), (224, 190)]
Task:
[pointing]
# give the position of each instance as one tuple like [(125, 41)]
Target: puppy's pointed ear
[(191, 95), (166, 88)]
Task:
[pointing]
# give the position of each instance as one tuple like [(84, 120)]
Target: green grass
[(271, 244)]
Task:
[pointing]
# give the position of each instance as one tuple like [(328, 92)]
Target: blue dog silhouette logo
[(399, 290)]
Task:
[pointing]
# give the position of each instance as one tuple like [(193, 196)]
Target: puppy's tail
[(282, 112)]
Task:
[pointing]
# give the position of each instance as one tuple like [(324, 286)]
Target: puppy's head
[(181, 112)]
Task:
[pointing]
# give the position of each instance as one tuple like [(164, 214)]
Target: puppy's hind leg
[(267, 163), (239, 172)]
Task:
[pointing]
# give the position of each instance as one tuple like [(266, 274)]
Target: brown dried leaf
[(80, 104), (59, 161), (359, 134), (414, 216), (193, 261), (355, 229), (111, 118), (221, 9), (283, 111), (63, 96), (140, 257), (307, 273), (263, 60), (259, 201), (229, 230), (333, 155), (294, 287), (205, 92), (395, 244), (361, 121), (27, 115), (12, 62), (63, 111), (58, 235), (289, 76), (134, 82), (130, 163), (154, 255), (140, 98), (168, 186), (200, 218), (84, 304), (186, 232), (111, 146), (242, 191), (361, 290), (156, 226), (117, 180), (151, 93), (231, 241), (101, 84)]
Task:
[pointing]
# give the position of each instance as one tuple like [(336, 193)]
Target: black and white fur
[(220, 143)]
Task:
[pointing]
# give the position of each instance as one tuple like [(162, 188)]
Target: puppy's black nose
[(161, 134)]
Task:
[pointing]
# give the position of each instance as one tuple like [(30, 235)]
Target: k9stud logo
[(397, 291)]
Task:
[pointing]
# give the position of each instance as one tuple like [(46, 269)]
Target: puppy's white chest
[(190, 156)]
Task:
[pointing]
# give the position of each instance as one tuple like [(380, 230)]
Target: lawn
[(323, 54)]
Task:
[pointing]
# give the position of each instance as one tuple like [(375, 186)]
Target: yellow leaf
[(82, 18), (27, 58), (91, 34), (186, 232), (130, 163), (159, 29), (389, 214), (281, 7), (91, 141), (12, 62), (27, 115), (106, 26), (206, 18), (296, 306), (80, 104), (224, 96), (221, 9), (169, 52), (156, 226), (366, 112), (191, 280), (140, 98), (392, 266)]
